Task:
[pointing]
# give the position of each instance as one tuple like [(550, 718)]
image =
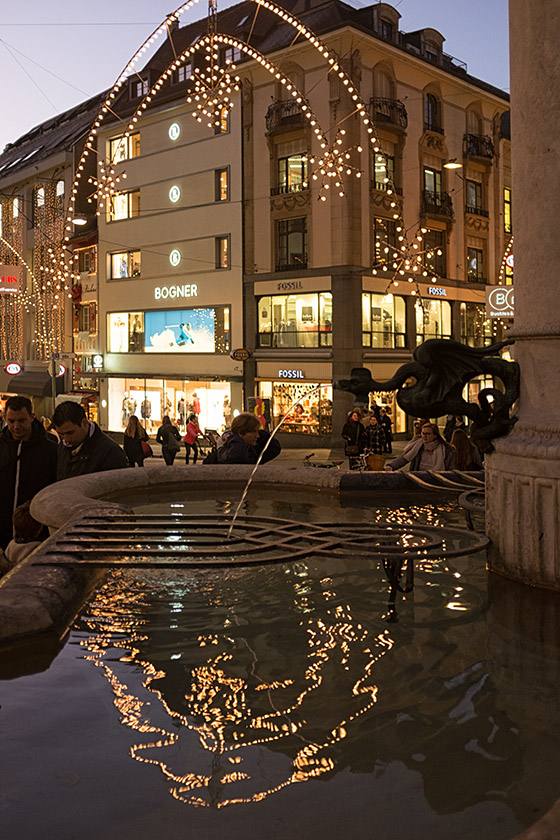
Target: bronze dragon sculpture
[(440, 370)]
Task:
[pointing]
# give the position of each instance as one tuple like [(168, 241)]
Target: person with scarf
[(428, 452)]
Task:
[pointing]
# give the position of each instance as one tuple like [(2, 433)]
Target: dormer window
[(139, 88), (386, 29)]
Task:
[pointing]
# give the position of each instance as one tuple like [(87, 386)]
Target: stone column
[(523, 475)]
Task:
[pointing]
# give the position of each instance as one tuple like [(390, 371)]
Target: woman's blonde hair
[(134, 426)]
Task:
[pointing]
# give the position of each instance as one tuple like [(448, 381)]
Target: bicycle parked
[(307, 462)]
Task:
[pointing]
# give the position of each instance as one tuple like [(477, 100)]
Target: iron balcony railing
[(298, 261), (478, 145), (283, 189), (283, 115), (476, 211), (389, 112), (437, 203)]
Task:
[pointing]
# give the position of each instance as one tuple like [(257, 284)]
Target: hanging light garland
[(213, 87), (333, 164)]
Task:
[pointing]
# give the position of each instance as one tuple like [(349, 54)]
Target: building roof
[(55, 135)]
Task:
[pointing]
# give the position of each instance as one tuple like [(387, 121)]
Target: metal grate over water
[(202, 540)]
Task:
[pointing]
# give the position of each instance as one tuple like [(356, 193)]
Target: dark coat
[(375, 439), (97, 454), (354, 434), (37, 460), (167, 434), (236, 451), (133, 447)]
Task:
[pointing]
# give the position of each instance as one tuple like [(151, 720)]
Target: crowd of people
[(369, 435)]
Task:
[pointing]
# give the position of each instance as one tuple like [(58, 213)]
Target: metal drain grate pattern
[(183, 540)]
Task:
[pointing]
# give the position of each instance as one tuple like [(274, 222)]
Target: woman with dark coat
[(467, 455), (134, 434), (354, 435), (246, 441), (169, 437), (375, 436)]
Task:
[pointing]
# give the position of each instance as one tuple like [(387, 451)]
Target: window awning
[(30, 383)]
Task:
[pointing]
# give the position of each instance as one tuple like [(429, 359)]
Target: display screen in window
[(180, 331)]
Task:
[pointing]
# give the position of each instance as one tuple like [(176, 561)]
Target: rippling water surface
[(289, 699)]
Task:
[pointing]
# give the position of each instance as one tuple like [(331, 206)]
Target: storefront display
[(200, 330), (383, 321), (151, 399), (433, 319), (387, 400), (312, 415), (303, 320)]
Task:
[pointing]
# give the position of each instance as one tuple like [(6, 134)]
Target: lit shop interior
[(312, 416), (151, 399), (303, 320)]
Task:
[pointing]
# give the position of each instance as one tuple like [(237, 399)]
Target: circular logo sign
[(175, 257), (501, 299), (13, 368), (98, 360), (174, 193), (509, 260), (61, 370), (240, 355), (174, 131)]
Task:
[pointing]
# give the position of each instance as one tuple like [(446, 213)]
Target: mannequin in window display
[(182, 411), (146, 411), (196, 404), (227, 412), (124, 419), (168, 406), (136, 335)]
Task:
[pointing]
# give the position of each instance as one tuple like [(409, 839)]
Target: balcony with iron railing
[(437, 204), (283, 116), (296, 263), (478, 146), (391, 112), (284, 189), (476, 211)]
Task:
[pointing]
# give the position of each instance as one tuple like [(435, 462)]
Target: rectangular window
[(432, 185), (87, 318), (384, 240), (508, 224), (473, 197), (197, 330), (435, 258), (184, 72), (125, 264), (123, 148), (384, 171), (15, 207), (124, 205), (87, 259), (476, 328), (508, 274), (231, 54), (292, 244), (221, 184), (303, 320), (433, 319), (222, 124), (475, 265), (40, 197), (292, 174), (140, 87), (383, 321), (313, 414), (222, 251)]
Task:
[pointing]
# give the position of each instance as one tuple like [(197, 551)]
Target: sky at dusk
[(55, 54)]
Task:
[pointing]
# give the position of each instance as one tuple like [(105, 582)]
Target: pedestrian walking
[(84, 448), (191, 435), (169, 437), (134, 436), (354, 436), (387, 425)]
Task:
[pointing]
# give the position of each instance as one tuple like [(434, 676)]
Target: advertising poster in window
[(118, 332), (180, 331)]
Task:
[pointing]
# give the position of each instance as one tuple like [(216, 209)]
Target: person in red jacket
[(193, 431)]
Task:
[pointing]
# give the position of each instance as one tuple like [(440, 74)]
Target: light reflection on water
[(247, 685)]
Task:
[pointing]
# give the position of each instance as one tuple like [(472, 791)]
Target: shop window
[(384, 171), (473, 197), (292, 244), (125, 205), (124, 264), (312, 416), (123, 147), (383, 321), (292, 174), (185, 331), (508, 224), (221, 184), (432, 113), (433, 319), (222, 245), (435, 257), (475, 265), (303, 320), (476, 328)]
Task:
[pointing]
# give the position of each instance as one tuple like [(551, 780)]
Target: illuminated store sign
[(290, 374), (174, 193), (437, 291), (289, 285), (13, 368), (9, 278), (500, 301), (174, 131), (186, 290), (175, 257)]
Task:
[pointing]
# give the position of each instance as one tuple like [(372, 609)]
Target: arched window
[(432, 114)]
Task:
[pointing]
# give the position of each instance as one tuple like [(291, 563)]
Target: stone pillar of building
[(523, 474)]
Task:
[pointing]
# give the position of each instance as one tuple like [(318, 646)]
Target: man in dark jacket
[(246, 441), (84, 448), (27, 461)]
